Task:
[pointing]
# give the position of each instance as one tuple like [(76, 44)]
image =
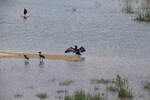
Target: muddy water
[(115, 45)]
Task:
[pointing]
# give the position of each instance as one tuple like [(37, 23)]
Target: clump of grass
[(66, 83), (147, 86), (123, 93), (68, 98), (42, 96), (120, 82), (120, 85), (18, 95), (81, 95), (145, 17)]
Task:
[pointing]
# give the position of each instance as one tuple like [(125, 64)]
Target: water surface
[(115, 44)]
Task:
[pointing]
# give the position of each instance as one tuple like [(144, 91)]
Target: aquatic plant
[(18, 95), (112, 88), (120, 82), (42, 96), (145, 17), (120, 85), (147, 86), (129, 9), (81, 95), (123, 93), (68, 98)]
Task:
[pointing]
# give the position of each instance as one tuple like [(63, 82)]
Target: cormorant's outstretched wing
[(70, 50), (81, 49), (25, 11)]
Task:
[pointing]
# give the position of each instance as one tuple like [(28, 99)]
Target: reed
[(144, 17)]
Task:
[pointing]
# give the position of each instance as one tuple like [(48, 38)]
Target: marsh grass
[(147, 86), (81, 95), (18, 95), (123, 88), (145, 17), (42, 96), (112, 88), (120, 85), (129, 10), (123, 93)]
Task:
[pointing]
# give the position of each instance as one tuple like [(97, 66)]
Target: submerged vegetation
[(81, 95), (124, 93), (42, 96), (118, 85), (18, 95)]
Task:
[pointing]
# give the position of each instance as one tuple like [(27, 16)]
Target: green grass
[(120, 82), (81, 95), (120, 86), (147, 86), (68, 98), (143, 17), (42, 96), (123, 93)]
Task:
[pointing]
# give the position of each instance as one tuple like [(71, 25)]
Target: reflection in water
[(26, 63), (41, 64)]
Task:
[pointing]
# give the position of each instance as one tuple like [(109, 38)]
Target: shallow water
[(115, 44)]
